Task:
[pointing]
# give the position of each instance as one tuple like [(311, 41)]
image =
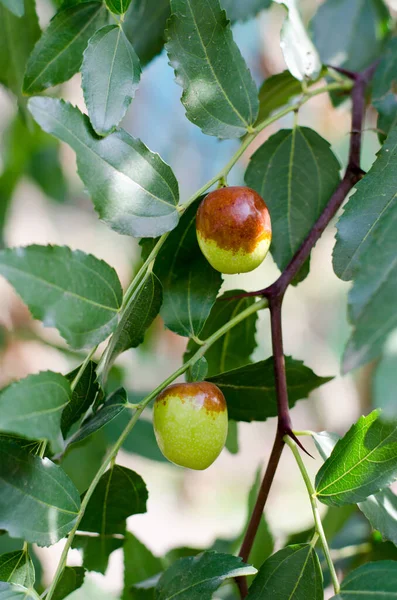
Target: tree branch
[(262, 497), (275, 294)]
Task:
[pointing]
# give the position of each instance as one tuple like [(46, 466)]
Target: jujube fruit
[(233, 229), (190, 423)]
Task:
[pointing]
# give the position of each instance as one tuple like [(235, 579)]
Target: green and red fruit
[(233, 229), (190, 423)]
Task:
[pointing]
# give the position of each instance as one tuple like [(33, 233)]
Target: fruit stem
[(315, 510), (142, 272), (197, 340), (42, 448)]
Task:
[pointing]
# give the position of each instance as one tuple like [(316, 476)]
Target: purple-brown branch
[(275, 294)]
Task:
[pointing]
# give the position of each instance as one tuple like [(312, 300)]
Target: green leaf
[(380, 509), (197, 371), (275, 92), (8, 544), (38, 502), (8, 182), (68, 3), (370, 582), (83, 396), (32, 407), (219, 94), (232, 438), (384, 88), (242, 11), (113, 406), (300, 54), (144, 26), (344, 18), (197, 578), (190, 284), (119, 494), (371, 300), (17, 567), (119, 7), (381, 550), (59, 52), (82, 461), (139, 564), (293, 572), (75, 292), (325, 442), (17, 39), (72, 578), (139, 314), (234, 349), (45, 169), (363, 462), (185, 551), (17, 7), (111, 72), (365, 250), (295, 172), (11, 591), (384, 386), (96, 550), (250, 391), (366, 215), (145, 22), (133, 190), (37, 157)]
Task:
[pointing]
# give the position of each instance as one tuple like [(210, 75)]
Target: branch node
[(291, 434), (356, 171)]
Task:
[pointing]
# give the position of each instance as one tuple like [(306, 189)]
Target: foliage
[(279, 171), (60, 434)]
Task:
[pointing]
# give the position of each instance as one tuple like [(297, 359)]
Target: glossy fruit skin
[(190, 423), (233, 229)]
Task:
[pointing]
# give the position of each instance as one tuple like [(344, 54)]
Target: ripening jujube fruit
[(233, 229), (190, 423)]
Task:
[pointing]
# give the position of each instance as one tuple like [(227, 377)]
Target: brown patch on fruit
[(236, 218), (209, 395)]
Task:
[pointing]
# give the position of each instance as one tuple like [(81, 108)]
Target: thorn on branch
[(350, 74), (291, 434)]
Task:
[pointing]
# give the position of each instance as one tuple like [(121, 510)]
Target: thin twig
[(316, 513), (262, 497)]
